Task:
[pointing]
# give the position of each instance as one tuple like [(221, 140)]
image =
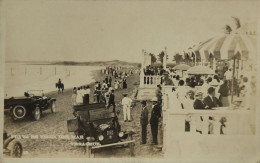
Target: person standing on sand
[(79, 99), (116, 84), (106, 79), (126, 102), (74, 95), (111, 101), (144, 121), (86, 95), (110, 81), (124, 84)]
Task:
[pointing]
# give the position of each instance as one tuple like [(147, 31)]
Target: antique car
[(98, 125), (11, 147), (32, 104)]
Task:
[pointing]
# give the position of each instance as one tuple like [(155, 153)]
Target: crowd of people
[(103, 92), (151, 70), (80, 95)]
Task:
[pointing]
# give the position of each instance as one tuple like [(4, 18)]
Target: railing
[(150, 81), (203, 127)]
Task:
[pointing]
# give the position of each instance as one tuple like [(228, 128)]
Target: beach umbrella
[(203, 70), (226, 46), (182, 67)]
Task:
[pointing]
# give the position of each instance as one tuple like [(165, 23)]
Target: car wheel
[(18, 112), (53, 107), (37, 113), (16, 149)]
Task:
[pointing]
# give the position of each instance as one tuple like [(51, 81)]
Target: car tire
[(18, 112), (37, 114), (16, 149), (53, 107)]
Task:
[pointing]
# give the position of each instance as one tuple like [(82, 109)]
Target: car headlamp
[(121, 134), (100, 137)]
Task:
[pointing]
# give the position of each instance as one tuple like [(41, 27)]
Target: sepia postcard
[(129, 81)]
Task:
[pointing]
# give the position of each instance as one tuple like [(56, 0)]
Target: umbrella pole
[(233, 77)]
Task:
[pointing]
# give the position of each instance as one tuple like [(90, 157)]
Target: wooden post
[(131, 145)]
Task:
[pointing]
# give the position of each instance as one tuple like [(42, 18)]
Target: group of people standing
[(154, 121), (80, 95), (150, 70)]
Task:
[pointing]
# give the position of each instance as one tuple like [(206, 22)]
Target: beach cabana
[(227, 47), (238, 47)]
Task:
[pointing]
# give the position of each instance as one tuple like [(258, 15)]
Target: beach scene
[(142, 80), (22, 77)]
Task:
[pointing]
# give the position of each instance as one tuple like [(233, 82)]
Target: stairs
[(146, 94)]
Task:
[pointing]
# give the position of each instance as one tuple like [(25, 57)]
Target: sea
[(22, 77)]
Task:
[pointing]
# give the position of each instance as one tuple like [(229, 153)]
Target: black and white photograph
[(133, 81)]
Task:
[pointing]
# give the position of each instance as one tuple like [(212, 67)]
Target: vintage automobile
[(11, 147), (32, 104), (98, 125)]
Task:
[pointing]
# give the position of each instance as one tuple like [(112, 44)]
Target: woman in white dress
[(74, 96), (116, 84), (79, 98)]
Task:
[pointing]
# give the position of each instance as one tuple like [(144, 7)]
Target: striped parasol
[(226, 46)]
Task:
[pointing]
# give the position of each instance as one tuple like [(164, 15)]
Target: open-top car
[(99, 126), (32, 104)]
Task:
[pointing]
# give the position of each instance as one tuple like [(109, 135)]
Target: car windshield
[(35, 92)]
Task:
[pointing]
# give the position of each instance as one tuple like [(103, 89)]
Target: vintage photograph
[(131, 80)]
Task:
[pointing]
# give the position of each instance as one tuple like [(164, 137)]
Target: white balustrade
[(150, 80), (223, 126)]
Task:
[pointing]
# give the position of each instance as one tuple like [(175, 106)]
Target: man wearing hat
[(154, 120), (198, 103), (144, 121), (126, 102), (111, 100), (211, 101)]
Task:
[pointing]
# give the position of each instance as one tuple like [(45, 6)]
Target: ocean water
[(20, 77)]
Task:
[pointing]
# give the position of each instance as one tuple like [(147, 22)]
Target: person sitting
[(188, 100), (192, 82), (187, 81), (198, 103), (215, 81), (211, 101)]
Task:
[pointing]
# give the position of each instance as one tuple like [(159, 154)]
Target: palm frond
[(237, 21), (228, 29)]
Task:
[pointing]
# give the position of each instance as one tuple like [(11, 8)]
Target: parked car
[(32, 104), (97, 124), (11, 147)]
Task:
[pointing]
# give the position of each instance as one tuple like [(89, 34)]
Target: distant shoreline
[(74, 63)]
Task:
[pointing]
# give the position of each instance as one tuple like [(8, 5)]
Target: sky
[(84, 30)]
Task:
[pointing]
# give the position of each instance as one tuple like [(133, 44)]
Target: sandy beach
[(56, 124)]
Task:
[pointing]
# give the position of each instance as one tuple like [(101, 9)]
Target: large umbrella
[(226, 46), (182, 67), (203, 70)]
